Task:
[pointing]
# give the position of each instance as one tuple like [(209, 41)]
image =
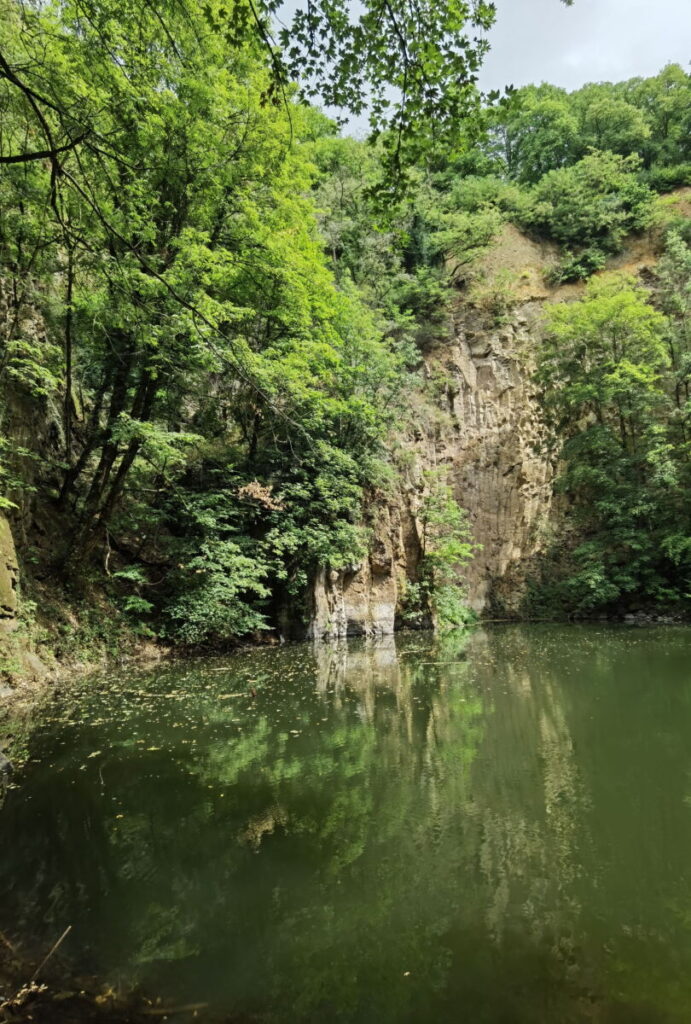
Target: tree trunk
[(67, 408)]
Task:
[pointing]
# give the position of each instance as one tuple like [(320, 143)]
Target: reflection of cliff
[(365, 670), (481, 738), (376, 808), (532, 815), (491, 828)]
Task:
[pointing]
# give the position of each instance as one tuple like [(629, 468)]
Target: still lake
[(487, 827)]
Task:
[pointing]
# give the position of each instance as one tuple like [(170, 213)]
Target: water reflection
[(406, 830)]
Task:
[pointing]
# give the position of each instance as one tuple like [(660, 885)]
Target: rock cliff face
[(485, 431), (365, 599), (8, 575), (497, 453)]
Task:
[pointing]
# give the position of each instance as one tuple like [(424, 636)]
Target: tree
[(603, 368), (674, 282), (437, 597), (611, 124), (199, 322), (537, 132), (589, 208), (424, 54), (665, 101), (603, 359)]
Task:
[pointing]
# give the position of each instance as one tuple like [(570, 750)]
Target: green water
[(493, 829)]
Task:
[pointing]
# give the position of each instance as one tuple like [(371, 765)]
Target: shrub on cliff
[(590, 208)]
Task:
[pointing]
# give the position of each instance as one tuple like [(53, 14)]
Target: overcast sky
[(593, 41)]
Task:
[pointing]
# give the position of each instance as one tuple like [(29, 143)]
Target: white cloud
[(595, 40)]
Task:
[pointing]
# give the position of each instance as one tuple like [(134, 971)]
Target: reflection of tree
[(277, 836), (532, 814), (634, 749), (421, 806)]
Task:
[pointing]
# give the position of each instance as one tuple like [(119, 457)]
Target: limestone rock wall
[(9, 575), (364, 599), (497, 453), (485, 433)]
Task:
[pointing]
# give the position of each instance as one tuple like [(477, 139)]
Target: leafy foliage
[(544, 128), (614, 373), (212, 348), (446, 546), (591, 205), (219, 306), (413, 66)]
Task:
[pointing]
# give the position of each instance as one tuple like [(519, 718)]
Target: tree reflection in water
[(400, 830)]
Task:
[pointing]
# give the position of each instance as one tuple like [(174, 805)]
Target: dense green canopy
[(217, 324)]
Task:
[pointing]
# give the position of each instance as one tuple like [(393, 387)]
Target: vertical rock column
[(9, 576), (497, 454)]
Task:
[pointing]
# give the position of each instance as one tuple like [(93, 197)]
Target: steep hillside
[(485, 429)]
